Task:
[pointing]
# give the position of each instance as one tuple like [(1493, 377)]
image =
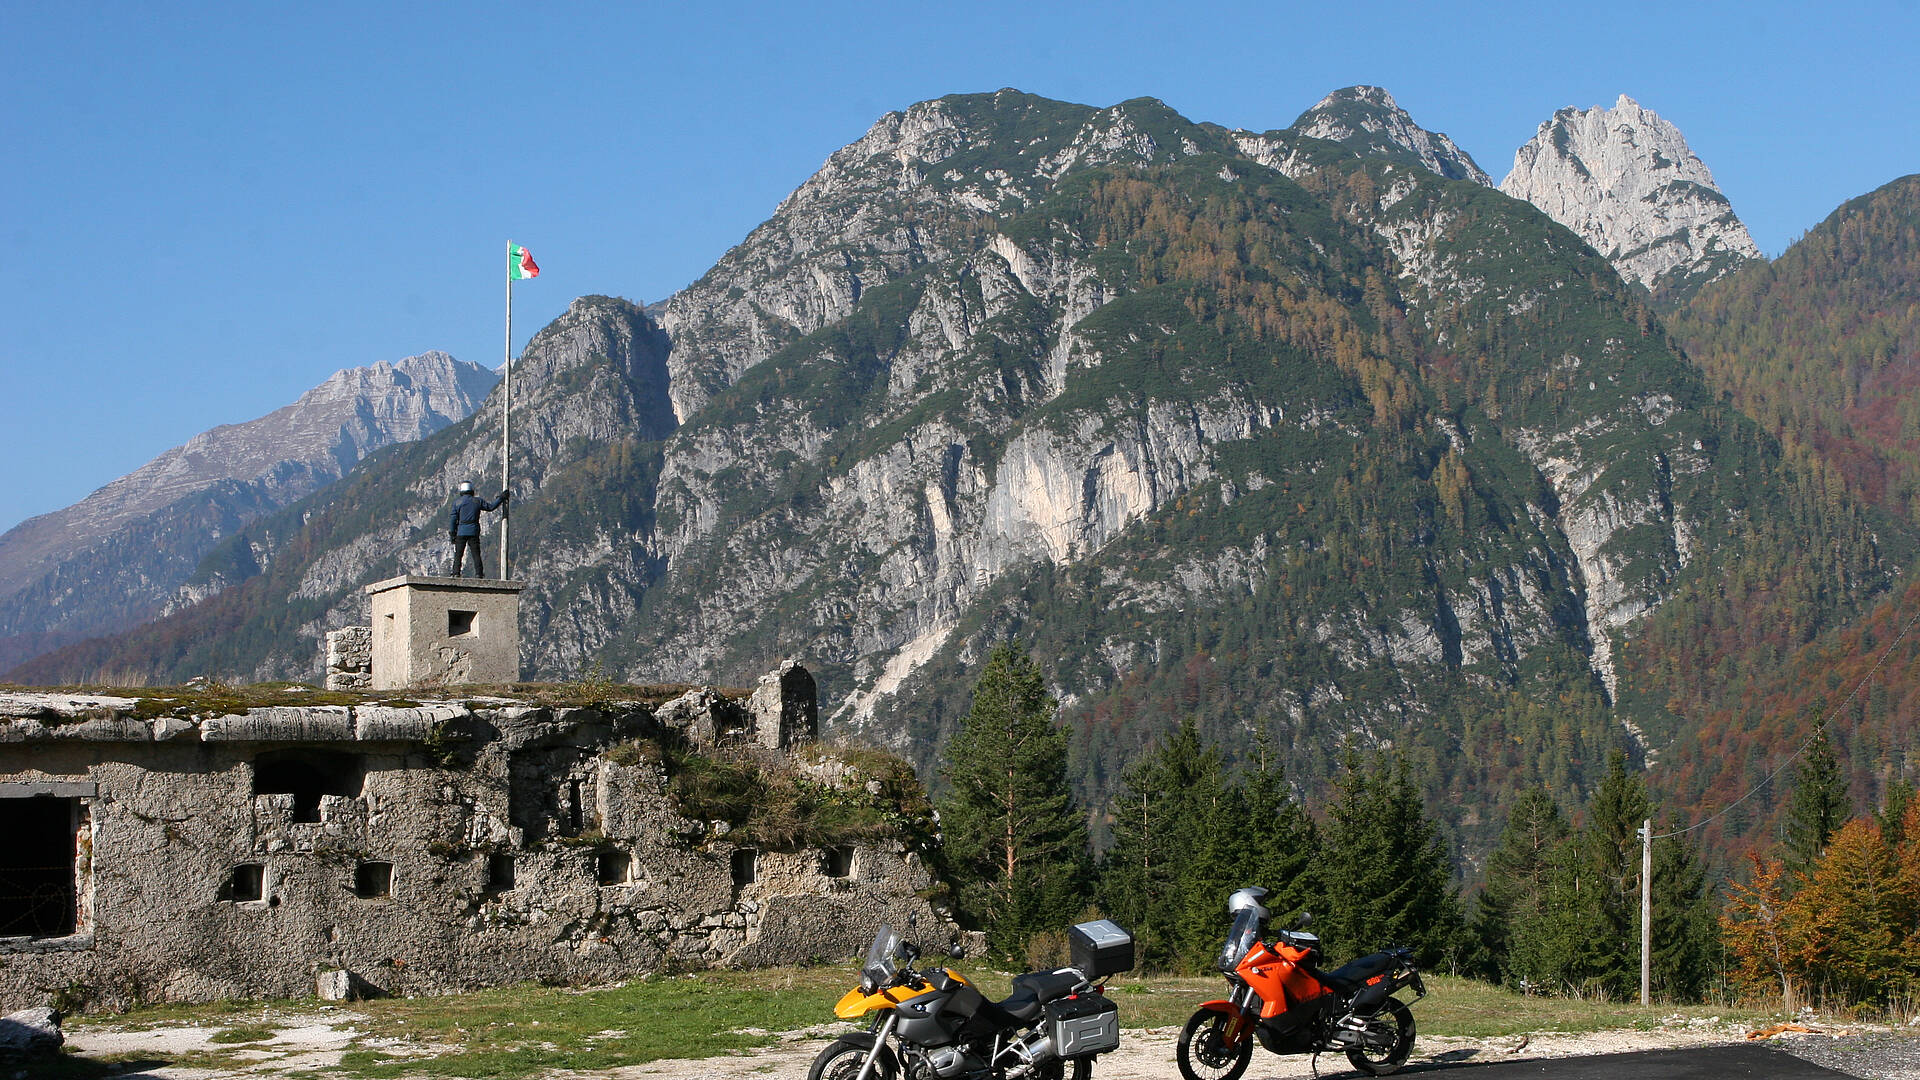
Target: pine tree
[(1282, 843), (1168, 871), (1684, 921), (1391, 880), (1892, 816), (1820, 804), (1509, 912), (1586, 938), (1017, 847)]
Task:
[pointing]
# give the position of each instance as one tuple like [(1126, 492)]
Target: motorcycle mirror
[(913, 919), (1305, 920), (957, 952)]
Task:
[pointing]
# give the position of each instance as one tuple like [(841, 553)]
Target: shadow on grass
[(69, 1066)]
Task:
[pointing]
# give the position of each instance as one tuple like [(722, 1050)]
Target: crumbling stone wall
[(350, 658), (416, 850)]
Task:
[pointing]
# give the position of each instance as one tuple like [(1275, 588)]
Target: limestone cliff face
[(1625, 180), (893, 201), (121, 553)]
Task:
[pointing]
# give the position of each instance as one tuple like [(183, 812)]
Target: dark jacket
[(464, 518)]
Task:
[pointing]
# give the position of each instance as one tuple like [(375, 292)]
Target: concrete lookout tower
[(443, 631)]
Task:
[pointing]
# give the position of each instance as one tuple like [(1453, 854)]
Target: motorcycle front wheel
[(841, 1060), (1205, 1054), (1389, 1041)]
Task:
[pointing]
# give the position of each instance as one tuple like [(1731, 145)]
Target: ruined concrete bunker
[(411, 847)]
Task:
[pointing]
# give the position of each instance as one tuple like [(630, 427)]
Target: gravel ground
[(310, 1043), (1871, 1055)]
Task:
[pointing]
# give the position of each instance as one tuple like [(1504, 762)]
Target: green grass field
[(530, 1030)]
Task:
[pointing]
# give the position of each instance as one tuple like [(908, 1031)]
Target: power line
[(1817, 731)]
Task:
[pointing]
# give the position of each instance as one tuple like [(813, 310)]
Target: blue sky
[(213, 207)]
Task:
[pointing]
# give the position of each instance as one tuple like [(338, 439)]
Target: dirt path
[(309, 1042)]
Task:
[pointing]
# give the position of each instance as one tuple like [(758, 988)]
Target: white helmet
[(1248, 899), (466, 487)]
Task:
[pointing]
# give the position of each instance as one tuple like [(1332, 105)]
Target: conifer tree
[(1580, 941), (1282, 843), (1892, 816), (1017, 846), (1684, 922), (1509, 913), (1165, 874), (1391, 878), (1819, 806)]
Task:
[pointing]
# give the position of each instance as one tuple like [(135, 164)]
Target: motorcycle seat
[(1036, 988), (1355, 974)]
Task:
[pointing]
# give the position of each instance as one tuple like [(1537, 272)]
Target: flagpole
[(506, 422)]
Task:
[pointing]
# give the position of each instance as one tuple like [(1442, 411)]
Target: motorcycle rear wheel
[(1082, 1069), (1390, 1038), (841, 1060), (1203, 1052)]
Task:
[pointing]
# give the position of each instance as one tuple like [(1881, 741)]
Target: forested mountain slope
[(1822, 347)]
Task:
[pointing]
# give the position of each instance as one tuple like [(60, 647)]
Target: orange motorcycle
[(1283, 1002)]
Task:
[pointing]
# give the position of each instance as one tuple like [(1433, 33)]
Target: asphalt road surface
[(1700, 1063)]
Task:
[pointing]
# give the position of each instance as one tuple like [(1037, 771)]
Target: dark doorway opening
[(307, 775), (460, 623), (37, 897)]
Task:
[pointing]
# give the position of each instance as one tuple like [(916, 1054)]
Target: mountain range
[(1311, 433), (121, 555)]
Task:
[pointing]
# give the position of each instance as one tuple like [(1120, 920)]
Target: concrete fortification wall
[(371, 848)]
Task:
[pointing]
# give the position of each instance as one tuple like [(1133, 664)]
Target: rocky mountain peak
[(1625, 180), (1367, 119)]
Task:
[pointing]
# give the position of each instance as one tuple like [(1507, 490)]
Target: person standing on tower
[(463, 527)]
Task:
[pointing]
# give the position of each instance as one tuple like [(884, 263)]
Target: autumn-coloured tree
[(1762, 944), (1853, 915)]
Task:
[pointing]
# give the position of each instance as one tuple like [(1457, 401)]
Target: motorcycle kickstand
[(1315, 1064)]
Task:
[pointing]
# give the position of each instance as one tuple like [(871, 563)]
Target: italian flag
[(520, 264)]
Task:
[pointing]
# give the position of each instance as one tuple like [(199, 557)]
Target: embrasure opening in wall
[(246, 882), (307, 775), (614, 867), (837, 862), (746, 866), (38, 897), (499, 873), (373, 880), (460, 623)]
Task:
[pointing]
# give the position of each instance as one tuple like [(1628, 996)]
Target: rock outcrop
[(1367, 120), (1625, 180)]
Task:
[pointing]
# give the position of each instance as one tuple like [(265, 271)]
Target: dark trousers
[(461, 544)]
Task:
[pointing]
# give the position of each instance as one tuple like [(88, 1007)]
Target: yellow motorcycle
[(935, 1025)]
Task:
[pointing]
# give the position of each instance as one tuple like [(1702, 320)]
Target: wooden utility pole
[(1646, 912)]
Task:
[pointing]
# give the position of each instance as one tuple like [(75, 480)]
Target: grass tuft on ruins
[(209, 842)]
